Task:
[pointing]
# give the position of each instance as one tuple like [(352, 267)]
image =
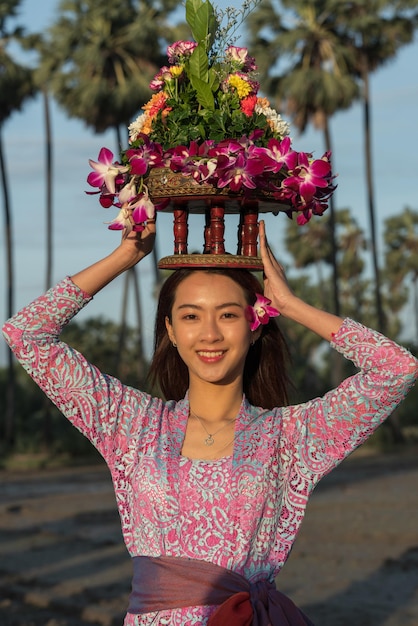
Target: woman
[(211, 488)]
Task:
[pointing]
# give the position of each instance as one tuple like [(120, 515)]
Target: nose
[(210, 330)]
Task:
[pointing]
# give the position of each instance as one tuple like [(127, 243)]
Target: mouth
[(210, 355)]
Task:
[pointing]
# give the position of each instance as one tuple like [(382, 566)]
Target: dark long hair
[(265, 379)]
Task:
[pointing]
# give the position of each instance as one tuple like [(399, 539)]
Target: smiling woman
[(212, 470), (212, 479)]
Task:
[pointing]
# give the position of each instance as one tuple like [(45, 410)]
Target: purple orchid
[(280, 153), (260, 312), (241, 172), (148, 154), (106, 173), (122, 221), (307, 176), (143, 209)]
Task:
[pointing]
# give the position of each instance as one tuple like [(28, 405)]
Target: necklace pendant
[(209, 441)]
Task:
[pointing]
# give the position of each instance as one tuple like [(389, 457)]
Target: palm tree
[(15, 87), (103, 58), (313, 82), (373, 32), (42, 74), (310, 245), (401, 258)]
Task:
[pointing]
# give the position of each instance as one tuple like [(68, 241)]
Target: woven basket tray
[(165, 185)]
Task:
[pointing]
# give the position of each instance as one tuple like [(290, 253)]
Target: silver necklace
[(210, 439)]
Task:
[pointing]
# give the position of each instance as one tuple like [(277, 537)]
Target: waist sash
[(165, 582)]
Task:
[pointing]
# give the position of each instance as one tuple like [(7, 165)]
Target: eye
[(228, 315), (189, 316)]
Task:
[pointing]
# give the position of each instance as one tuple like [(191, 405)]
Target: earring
[(174, 344)]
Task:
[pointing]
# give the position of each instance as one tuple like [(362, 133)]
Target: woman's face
[(209, 326)]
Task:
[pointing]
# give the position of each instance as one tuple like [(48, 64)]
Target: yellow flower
[(176, 71), (243, 88)]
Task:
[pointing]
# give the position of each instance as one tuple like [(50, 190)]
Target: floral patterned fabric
[(241, 512)]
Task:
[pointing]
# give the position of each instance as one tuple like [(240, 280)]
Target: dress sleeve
[(100, 406), (326, 430)]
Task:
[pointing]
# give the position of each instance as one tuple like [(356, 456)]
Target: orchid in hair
[(260, 312)]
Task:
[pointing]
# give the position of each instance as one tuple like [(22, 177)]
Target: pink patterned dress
[(241, 512)]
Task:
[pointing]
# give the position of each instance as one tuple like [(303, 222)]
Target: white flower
[(278, 124), (135, 128)]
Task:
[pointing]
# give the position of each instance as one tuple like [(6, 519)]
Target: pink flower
[(106, 172), (122, 221), (282, 153), (143, 209), (148, 154), (260, 312), (160, 78), (308, 176), (179, 50), (241, 172), (193, 160), (241, 58)]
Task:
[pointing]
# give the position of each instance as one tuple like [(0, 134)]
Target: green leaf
[(191, 8), (213, 79), (203, 92), (198, 63), (202, 21)]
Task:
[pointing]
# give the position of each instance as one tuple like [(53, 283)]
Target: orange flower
[(156, 104), (263, 102), (164, 114)]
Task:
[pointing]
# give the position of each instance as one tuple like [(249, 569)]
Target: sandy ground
[(355, 562)]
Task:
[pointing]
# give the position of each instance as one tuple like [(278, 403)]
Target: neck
[(215, 402)]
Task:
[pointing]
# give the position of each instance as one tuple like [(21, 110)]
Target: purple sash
[(166, 582)]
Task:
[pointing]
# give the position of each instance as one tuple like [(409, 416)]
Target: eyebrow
[(198, 307)]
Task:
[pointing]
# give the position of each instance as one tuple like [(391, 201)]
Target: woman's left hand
[(276, 287)]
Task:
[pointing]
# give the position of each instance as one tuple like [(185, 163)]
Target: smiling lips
[(210, 355)]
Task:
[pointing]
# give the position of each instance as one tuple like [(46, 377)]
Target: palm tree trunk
[(415, 284), (122, 325), (337, 369), (141, 358), (370, 198), (48, 184), (334, 247), (9, 420), (47, 406)]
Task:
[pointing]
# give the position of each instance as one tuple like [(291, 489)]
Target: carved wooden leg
[(217, 230), (207, 246), (180, 229), (249, 229)]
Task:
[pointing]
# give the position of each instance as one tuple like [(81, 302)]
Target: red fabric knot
[(263, 605)]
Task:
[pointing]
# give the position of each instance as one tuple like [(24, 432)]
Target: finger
[(150, 226), (266, 252)]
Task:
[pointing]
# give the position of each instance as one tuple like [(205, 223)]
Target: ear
[(170, 331), (255, 335)]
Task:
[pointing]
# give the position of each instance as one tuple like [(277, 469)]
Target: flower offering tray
[(182, 196)]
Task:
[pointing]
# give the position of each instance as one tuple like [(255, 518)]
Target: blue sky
[(79, 233)]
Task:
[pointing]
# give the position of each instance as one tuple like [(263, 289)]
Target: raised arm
[(278, 291), (97, 404), (131, 250)]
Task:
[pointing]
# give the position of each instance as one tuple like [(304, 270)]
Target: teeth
[(210, 354)]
